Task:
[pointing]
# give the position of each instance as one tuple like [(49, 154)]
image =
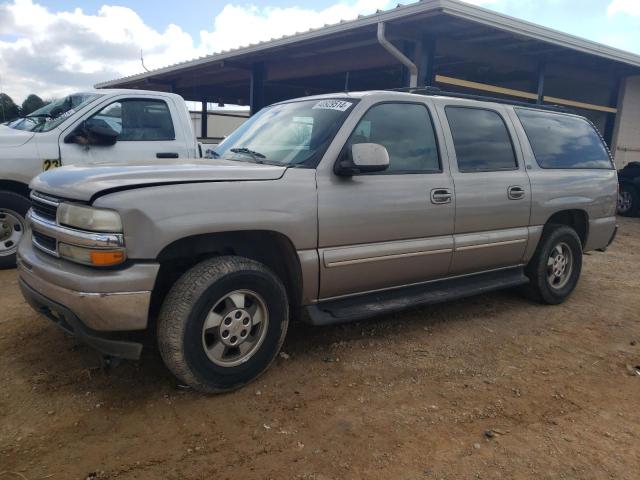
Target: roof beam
[(350, 60)]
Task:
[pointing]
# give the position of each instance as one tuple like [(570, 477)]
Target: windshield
[(291, 134), (53, 114)]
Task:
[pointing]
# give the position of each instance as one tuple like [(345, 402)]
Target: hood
[(84, 182), (10, 137)]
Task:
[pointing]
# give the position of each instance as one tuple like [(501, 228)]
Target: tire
[(545, 285), (628, 201), (13, 210), (210, 294)]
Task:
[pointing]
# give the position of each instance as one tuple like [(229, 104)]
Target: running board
[(379, 303)]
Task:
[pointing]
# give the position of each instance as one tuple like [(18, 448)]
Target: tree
[(31, 104), (8, 109)]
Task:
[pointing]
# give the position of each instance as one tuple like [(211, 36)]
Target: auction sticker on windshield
[(339, 105), (68, 113)]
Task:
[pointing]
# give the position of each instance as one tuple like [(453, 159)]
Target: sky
[(55, 47)]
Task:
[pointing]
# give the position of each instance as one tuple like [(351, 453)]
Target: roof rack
[(438, 91)]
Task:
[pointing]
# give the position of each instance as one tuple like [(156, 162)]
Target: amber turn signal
[(92, 257), (102, 258)]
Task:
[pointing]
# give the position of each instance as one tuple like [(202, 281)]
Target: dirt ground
[(408, 396)]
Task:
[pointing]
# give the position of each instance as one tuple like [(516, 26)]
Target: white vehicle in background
[(86, 128)]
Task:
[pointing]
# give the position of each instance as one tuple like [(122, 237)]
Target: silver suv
[(339, 207)]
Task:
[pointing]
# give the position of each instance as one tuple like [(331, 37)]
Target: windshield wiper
[(257, 157), (40, 115), (247, 151)]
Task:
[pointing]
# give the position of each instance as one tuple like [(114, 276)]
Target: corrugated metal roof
[(453, 8)]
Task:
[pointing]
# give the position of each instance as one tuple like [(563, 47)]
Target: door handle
[(441, 195), (167, 155), (515, 192)]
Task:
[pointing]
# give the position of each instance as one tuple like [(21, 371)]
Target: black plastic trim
[(380, 303)]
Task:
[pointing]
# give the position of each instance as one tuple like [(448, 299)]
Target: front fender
[(155, 217)]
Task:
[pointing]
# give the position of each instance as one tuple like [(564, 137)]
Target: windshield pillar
[(256, 92)]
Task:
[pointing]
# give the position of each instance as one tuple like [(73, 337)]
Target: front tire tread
[(178, 306)]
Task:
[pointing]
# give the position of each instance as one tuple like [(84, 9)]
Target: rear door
[(391, 228), (147, 130), (492, 189)]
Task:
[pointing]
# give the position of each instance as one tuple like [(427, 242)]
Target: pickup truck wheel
[(13, 209), (223, 323), (555, 268), (628, 201)]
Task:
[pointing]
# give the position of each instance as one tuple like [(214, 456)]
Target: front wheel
[(223, 323), (13, 209), (555, 268)]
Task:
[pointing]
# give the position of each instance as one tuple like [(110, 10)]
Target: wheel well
[(270, 248), (576, 219), (15, 187)]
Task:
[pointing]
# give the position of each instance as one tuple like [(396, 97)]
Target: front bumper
[(96, 305), (104, 300), (70, 323)]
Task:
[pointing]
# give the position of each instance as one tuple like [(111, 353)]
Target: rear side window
[(481, 140), (563, 141), (406, 131)]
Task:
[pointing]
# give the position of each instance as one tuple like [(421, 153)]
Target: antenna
[(346, 83), (142, 61)]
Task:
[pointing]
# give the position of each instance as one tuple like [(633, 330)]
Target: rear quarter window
[(563, 141)]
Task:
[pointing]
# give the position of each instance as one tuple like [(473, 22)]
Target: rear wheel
[(13, 210), (555, 268), (223, 323), (628, 201)]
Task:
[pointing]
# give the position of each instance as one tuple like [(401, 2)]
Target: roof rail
[(438, 91)]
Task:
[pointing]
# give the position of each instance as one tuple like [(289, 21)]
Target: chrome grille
[(45, 242), (47, 234), (44, 206)]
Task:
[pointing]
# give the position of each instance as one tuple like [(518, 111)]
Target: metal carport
[(454, 45)]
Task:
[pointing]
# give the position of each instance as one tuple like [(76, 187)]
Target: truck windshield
[(53, 114), (291, 134)]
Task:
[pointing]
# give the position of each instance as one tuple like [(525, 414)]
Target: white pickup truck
[(86, 128)]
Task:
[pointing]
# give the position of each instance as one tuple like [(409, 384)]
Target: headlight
[(89, 218), (91, 256)]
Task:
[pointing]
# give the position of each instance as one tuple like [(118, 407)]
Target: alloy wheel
[(11, 231), (235, 328), (625, 201), (559, 266)]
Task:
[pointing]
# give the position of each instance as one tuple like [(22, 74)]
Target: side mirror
[(364, 158), (93, 132)]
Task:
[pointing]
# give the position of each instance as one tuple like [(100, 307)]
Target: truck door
[(391, 228), (492, 189), (146, 129)]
